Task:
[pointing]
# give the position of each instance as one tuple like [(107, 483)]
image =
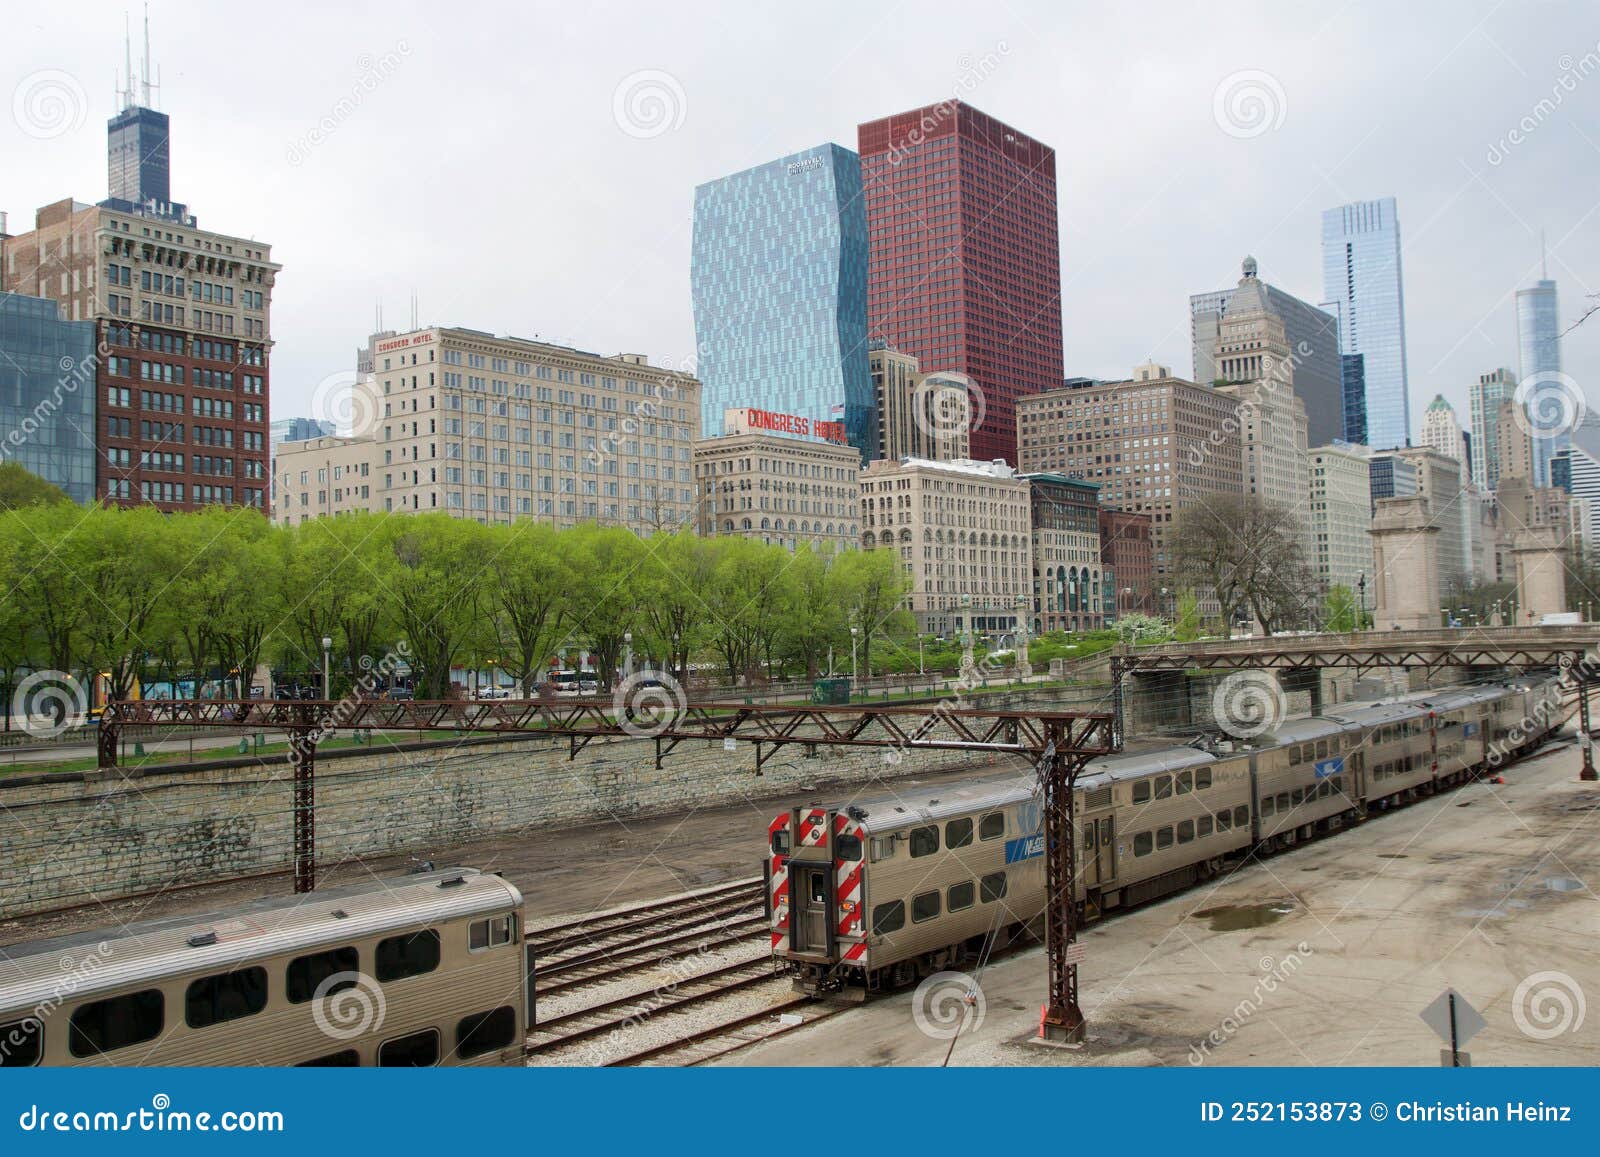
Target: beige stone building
[(1154, 444), (1340, 522), (919, 415), (500, 428), (1441, 481), (322, 478), (962, 533), (781, 489), (1513, 445)]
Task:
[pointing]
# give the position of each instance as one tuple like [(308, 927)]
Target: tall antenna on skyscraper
[(127, 62), (1544, 264), (145, 78)]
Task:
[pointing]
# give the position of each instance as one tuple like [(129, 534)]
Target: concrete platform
[(1321, 956)]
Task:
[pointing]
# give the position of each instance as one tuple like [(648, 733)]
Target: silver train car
[(869, 896), (425, 969)]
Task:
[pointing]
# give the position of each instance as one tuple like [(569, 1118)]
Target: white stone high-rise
[(1441, 431)]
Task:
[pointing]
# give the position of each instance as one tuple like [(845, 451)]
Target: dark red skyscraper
[(964, 263)]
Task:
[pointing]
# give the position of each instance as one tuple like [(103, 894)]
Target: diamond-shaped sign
[(1469, 1021)]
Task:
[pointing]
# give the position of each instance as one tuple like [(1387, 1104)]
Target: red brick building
[(964, 258), (1127, 553)]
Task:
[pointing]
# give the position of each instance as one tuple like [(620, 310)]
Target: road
[(1321, 956)]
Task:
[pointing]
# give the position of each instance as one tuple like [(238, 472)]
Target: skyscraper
[(1483, 405), (1442, 432), (778, 276), (1353, 387), (1539, 361), (965, 271), (1361, 271)]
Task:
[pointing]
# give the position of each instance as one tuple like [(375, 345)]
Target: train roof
[(45, 972), (1301, 730)]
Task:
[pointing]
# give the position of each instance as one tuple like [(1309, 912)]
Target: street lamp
[(854, 631), (921, 670), (327, 660), (627, 661), (1361, 590)]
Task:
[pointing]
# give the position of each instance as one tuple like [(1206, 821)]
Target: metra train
[(871, 895)]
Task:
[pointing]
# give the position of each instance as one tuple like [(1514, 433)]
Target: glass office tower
[(1361, 272), (47, 403), (1539, 357), (778, 277)]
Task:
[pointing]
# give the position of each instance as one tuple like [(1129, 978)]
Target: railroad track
[(587, 930), (732, 1035)]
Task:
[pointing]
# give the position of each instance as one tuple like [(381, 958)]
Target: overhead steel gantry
[(1568, 648), (1059, 743)]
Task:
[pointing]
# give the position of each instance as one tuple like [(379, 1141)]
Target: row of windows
[(1286, 801), (1190, 830), (1164, 786), (957, 834), (117, 1022), (891, 917)]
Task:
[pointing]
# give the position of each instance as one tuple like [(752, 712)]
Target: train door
[(1106, 859), (812, 907)]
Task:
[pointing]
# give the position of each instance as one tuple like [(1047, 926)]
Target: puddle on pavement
[(1392, 856), (1564, 884), (1236, 917)]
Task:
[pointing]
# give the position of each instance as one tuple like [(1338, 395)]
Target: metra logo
[(1327, 767), (804, 165), (1025, 848)]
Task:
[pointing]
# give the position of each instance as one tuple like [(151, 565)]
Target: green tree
[(528, 593), (606, 589), (873, 586), (20, 487), (1339, 610), (434, 572)]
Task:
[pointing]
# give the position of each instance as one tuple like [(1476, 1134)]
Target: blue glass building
[(1361, 272), (1539, 359), (1353, 374), (779, 283), (47, 402)]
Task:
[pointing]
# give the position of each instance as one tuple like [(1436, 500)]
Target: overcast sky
[(510, 166)]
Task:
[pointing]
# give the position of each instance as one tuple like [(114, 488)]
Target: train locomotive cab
[(814, 883)]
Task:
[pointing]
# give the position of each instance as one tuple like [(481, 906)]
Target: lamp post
[(327, 667), (1024, 668), (854, 631), (1361, 593), (921, 670), (627, 659)]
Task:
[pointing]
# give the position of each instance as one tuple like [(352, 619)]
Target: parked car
[(494, 692), (398, 694)]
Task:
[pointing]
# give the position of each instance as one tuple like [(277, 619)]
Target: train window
[(1185, 783), (924, 907), (1294, 757), (1141, 791), (308, 973), (1322, 749), (1163, 786), (924, 841), (960, 896), (1202, 778), (992, 887), (1283, 801), (1143, 844), (346, 1059), (486, 1031), (1163, 838), (847, 848), (1088, 838), (491, 933), (1324, 789), (1267, 807), (1224, 821), (417, 1051), (1295, 797), (818, 893), (958, 833), (780, 842), (882, 848), (409, 954), (116, 1022), (21, 1043), (992, 826), (224, 997), (1186, 831), (890, 917), (1241, 816)]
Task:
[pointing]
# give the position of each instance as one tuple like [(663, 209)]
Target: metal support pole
[(108, 737), (1585, 737), (1063, 1019), (303, 757), (1117, 677)]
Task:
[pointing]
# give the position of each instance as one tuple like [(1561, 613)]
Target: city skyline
[(601, 219)]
